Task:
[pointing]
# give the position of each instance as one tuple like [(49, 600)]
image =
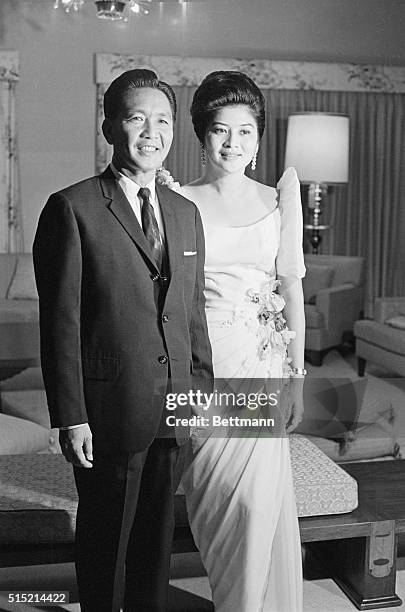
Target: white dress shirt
[(130, 189)]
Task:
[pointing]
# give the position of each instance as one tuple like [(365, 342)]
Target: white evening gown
[(239, 491)]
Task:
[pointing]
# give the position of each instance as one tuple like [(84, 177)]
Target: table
[(359, 548)]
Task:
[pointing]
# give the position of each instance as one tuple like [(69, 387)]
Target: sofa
[(333, 295), (19, 312), (382, 341)]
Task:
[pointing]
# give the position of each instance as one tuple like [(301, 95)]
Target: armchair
[(382, 340), (333, 295), (19, 314)]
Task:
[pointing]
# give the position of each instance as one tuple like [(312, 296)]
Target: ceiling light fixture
[(110, 9), (68, 5), (114, 10)]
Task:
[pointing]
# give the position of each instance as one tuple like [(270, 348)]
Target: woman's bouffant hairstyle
[(134, 79), (224, 88)]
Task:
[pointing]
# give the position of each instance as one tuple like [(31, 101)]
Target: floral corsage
[(163, 177), (274, 333)]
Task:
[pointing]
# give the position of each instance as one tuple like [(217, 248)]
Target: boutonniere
[(163, 177)]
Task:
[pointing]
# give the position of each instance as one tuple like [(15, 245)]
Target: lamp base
[(316, 191), (316, 238)]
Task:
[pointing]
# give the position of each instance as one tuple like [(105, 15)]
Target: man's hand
[(77, 445)]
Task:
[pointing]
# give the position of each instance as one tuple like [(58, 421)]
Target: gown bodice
[(244, 258), (238, 259), (243, 307)]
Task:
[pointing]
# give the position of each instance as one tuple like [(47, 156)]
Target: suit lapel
[(167, 201), (122, 211)]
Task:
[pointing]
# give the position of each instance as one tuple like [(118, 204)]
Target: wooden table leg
[(364, 568)]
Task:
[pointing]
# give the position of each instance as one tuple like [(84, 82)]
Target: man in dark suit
[(119, 267)]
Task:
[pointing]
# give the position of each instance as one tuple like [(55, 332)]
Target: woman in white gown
[(239, 490)]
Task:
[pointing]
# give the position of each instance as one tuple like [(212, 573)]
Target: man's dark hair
[(137, 79)]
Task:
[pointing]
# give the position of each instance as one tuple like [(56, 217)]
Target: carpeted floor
[(187, 594), (189, 591)]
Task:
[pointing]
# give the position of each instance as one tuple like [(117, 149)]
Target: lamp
[(318, 148), (113, 9), (110, 9)]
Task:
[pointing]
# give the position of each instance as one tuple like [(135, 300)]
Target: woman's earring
[(203, 155), (254, 161)]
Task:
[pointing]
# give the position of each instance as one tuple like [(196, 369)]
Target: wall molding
[(189, 71)]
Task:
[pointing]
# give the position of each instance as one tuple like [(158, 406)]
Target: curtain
[(367, 216), (11, 234)]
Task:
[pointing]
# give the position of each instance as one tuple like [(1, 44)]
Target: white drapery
[(11, 235)]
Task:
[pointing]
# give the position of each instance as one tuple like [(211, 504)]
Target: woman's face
[(231, 139)]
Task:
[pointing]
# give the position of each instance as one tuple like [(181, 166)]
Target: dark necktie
[(150, 226)]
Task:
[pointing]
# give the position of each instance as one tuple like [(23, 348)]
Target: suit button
[(163, 359), (165, 318), (155, 277)]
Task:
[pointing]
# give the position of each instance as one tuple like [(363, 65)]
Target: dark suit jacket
[(109, 337)]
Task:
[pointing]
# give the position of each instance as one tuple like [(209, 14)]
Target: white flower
[(175, 186), (271, 285), (273, 334), (288, 335), (277, 302), (163, 177)]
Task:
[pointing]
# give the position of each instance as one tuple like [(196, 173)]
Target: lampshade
[(318, 147)]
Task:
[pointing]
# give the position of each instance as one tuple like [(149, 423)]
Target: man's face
[(142, 132)]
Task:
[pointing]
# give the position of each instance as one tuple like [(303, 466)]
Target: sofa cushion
[(381, 335), (27, 404), (317, 277), (397, 322), (28, 379), (31, 405), (8, 262), (38, 499), (369, 441), (22, 286), (313, 318), (19, 436), (347, 269), (388, 307), (19, 311), (321, 487)]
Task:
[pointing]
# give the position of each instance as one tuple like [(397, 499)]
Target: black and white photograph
[(202, 305)]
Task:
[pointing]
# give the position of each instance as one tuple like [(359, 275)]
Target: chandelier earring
[(254, 162), (203, 156)]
